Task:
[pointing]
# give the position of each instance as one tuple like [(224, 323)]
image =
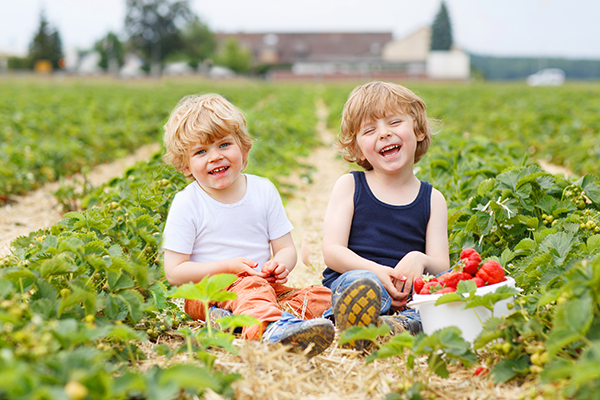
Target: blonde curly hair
[(376, 100)]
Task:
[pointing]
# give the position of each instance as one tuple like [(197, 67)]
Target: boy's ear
[(420, 136)]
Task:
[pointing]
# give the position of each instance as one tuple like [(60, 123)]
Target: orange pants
[(266, 301)]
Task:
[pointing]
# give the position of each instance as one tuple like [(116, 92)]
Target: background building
[(346, 55)]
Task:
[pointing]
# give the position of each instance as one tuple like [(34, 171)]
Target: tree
[(234, 57), (200, 42), (112, 52), (46, 44), (153, 27), (441, 30)]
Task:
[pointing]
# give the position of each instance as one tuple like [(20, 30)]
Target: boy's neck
[(394, 189), (231, 194)]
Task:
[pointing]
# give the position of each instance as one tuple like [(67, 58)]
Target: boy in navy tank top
[(383, 227)]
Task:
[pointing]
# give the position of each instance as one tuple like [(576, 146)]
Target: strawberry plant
[(440, 349)]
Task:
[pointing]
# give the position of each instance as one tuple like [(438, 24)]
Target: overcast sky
[(561, 28)]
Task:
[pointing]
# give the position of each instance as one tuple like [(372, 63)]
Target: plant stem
[(207, 318)]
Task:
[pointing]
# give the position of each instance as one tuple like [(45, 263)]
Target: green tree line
[(518, 68)]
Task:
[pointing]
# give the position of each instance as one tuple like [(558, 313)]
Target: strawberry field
[(85, 310)]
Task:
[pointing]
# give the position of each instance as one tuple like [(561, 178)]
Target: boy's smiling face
[(389, 143), (216, 166)]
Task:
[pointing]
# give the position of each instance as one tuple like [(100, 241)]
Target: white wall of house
[(453, 64)]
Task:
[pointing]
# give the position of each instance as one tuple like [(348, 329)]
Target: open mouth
[(390, 150), (218, 171)]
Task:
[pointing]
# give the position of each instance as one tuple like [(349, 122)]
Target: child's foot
[(301, 334), (216, 313), (358, 305), (399, 324)]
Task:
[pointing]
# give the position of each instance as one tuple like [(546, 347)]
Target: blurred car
[(547, 77)]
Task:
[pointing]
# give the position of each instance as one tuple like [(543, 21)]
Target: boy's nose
[(385, 134), (214, 155)]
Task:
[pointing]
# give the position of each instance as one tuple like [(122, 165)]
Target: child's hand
[(388, 280), (275, 272), (242, 266), (407, 270)]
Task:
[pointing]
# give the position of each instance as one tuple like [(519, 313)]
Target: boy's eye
[(368, 131), (226, 144), (200, 152)]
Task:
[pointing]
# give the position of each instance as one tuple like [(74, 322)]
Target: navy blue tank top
[(382, 232)]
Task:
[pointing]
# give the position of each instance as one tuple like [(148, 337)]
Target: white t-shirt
[(210, 231)]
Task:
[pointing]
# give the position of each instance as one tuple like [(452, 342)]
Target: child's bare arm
[(284, 259), (179, 269), (336, 230), (436, 258)]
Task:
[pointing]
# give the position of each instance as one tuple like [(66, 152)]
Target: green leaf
[(394, 347), (59, 265), (218, 339), (124, 333), (87, 297), (7, 288), (159, 295), (486, 186), (196, 378), (236, 321), (492, 330), (505, 370), (45, 290), (133, 300), (532, 222), (363, 333), (525, 246), (576, 314), (117, 281), (559, 244), (17, 273), (488, 300), (590, 186), (593, 244), (210, 288), (71, 244)]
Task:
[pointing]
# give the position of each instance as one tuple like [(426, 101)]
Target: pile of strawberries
[(468, 268)]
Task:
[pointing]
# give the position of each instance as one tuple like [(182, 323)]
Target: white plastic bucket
[(470, 321)]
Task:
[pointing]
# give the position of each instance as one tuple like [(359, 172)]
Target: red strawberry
[(471, 265), (418, 284), (421, 281), (446, 290), (454, 277), (467, 253), (491, 272), (442, 278), (430, 287), (478, 281), (471, 259)]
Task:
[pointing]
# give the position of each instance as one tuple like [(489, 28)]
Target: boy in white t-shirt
[(229, 222)]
